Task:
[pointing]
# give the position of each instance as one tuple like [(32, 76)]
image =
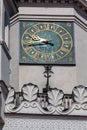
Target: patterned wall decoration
[(25, 123)]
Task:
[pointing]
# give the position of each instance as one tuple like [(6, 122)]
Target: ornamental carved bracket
[(55, 102)]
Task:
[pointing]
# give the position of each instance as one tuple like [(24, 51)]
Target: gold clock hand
[(42, 40), (38, 39), (35, 37), (32, 43)]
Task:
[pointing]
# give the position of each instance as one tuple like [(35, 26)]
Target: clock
[(43, 42)]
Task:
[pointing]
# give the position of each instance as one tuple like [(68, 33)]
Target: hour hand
[(36, 38), (43, 40)]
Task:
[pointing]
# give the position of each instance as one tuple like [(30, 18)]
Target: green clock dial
[(47, 43)]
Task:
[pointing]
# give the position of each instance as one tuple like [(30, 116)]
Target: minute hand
[(47, 42)]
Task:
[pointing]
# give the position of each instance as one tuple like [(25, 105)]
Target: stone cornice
[(79, 5)]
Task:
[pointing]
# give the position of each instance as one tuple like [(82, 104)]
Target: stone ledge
[(35, 116)]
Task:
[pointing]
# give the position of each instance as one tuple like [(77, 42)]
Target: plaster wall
[(14, 51), (0, 62), (4, 62), (0, 38), (81, 55), (2, 18), (45, 11), (4, 67), (7, 29), (64, 78)]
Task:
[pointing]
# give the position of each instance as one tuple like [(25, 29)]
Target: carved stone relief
[(29, 100)]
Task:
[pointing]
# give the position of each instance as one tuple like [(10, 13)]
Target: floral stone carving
[(30, 92), (55, 100), (29, 100), (80, 97)]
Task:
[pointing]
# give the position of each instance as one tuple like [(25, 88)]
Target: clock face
[(46, 42)]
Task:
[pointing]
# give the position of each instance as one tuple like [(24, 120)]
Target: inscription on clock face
[(46, 43)]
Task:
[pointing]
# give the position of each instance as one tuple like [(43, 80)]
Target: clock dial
[(47, 43)]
